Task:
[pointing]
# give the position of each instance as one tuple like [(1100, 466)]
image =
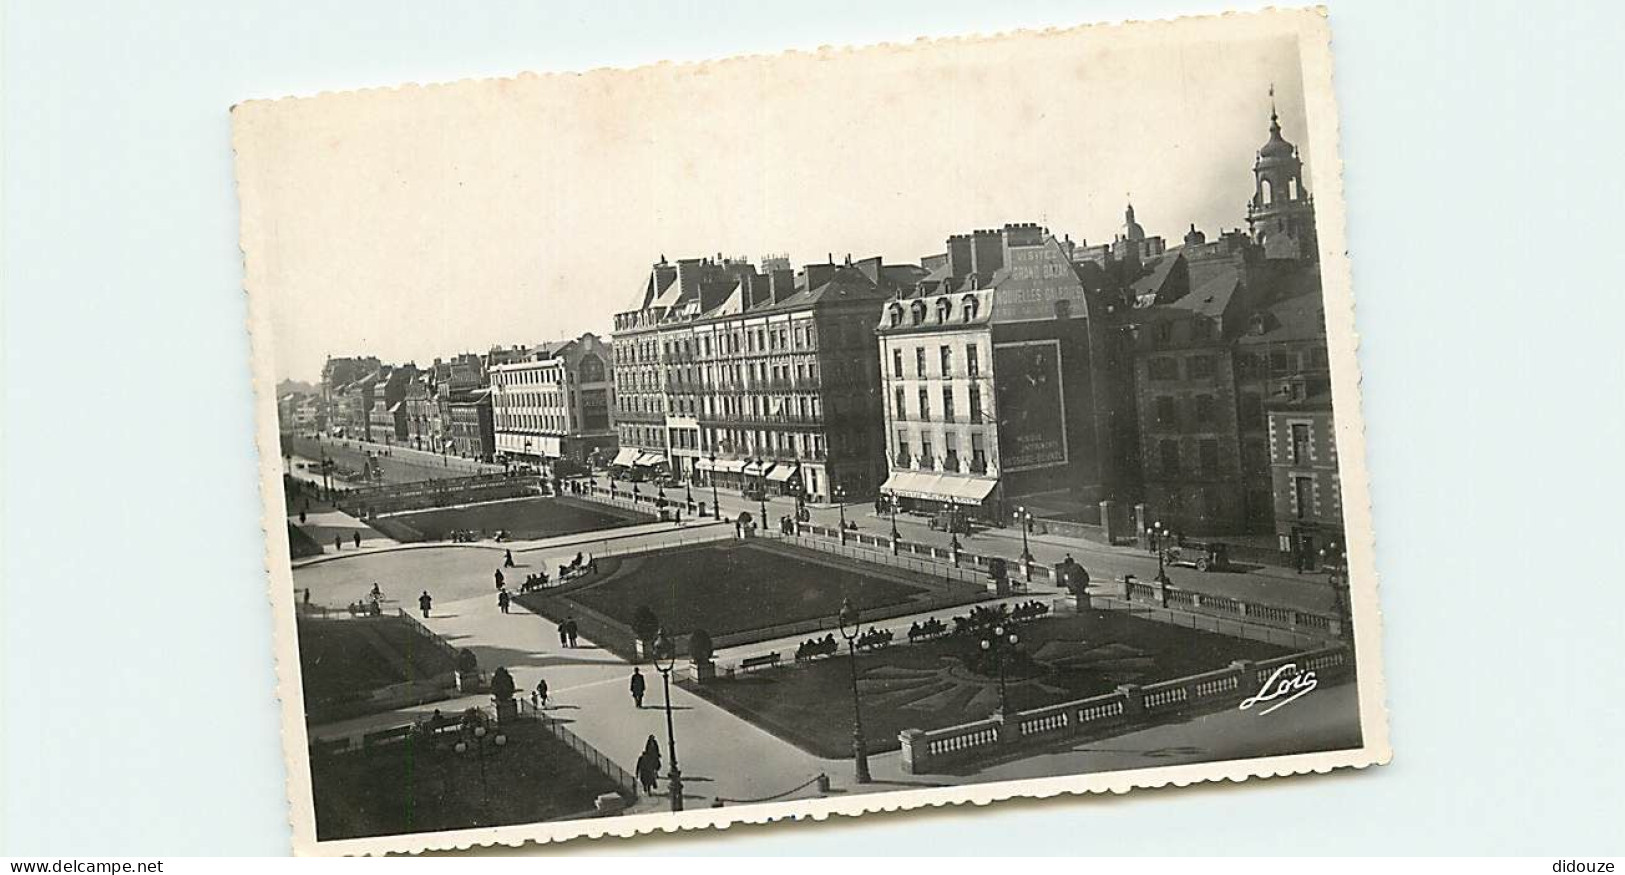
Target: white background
[(1484, 202)]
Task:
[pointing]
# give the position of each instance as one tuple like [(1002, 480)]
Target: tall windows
[(919, 361), (947, 355), (899, 410), (1300, 443), (1168, 453), (925, 404), (947, 402), (978, 454), (897, 363), (971, 366), (975, 402)]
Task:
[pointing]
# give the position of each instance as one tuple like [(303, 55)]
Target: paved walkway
[(722, 756), (1273, 586)]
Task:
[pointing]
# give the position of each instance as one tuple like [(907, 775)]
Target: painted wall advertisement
[(1031, 412)]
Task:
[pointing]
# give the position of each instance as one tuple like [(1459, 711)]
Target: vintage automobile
[(1200, 555)]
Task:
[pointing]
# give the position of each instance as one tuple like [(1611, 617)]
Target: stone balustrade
[(1129, 707)]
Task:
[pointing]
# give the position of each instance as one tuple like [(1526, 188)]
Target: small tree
[(501, 685), (467, 662), (645, 625), (700, 647)]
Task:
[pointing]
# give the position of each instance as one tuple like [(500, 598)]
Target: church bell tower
[(1281, 215)]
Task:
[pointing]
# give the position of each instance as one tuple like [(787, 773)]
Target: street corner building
[(749, 376)]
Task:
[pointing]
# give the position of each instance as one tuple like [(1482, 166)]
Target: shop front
[(930, 493)]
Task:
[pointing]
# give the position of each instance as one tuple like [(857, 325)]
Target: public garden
[(950, 680), (524, 519), (738, 587), (424, 784)]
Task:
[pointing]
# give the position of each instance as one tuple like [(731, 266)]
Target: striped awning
[(934, 486), (626, 457), (651, 460), (781, 473)]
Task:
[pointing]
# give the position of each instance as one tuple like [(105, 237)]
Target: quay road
[(400, 464), (1280, 587)]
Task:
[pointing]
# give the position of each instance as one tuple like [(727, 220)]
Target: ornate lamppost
[(485, 744), (1159, 535), (761, 490), (665, 659), (1334, 558), (998, 642), (840, 502), (716, 506), (1024, 518), (849, 622)]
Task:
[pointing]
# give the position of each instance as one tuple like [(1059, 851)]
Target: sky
[(427, 221)]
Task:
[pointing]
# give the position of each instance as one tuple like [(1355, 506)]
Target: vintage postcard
[(810, 434)]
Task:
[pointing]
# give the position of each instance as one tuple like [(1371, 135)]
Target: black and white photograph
[(808, 434)]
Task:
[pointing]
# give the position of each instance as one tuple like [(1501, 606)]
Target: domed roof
[(1277, 147)]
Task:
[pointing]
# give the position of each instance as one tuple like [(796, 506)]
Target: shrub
[(645, 624), (467, 662), (501, 685), (700, 647)]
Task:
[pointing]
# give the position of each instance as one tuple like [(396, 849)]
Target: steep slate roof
[(1300, 317), (1213, 284)]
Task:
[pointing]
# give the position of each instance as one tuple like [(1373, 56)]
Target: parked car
[(1200, 555)]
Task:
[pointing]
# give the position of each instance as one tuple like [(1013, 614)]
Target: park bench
[(754, 662), (386, 736)]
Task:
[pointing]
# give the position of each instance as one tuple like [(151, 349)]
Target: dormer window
[(895, 313), (918, 312), (971, 304), (943, 308)]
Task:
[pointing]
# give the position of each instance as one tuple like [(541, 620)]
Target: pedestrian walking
[(574, 630), (307, 595), (503, 600), (301, 518), (564, 635), (424, 602), (358, 540), (338, 543), (499, 578), (651, 749), (541, 691), (507, 558), (648, 773), (638, 686)]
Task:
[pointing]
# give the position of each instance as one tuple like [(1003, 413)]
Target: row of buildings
[(519, 404), (1014, 370)]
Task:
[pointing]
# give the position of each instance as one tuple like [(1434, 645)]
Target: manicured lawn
[(526, 518), (738, 587), (342, 660), (424, 787), (928, 686)]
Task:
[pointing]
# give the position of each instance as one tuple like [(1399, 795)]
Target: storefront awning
[(651, 460), (625, 458), (970, 490), (702, 465), (931, 486), (781, 473), (730, 467), (753, 470)]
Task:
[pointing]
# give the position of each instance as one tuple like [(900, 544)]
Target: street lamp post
[(716, 506), (891, 505), (840, 502), (1159, 535), (1024, 518), (665, 659), (1334, 559), (849, 622), (485, 744), (1000, 642), (761, 490)]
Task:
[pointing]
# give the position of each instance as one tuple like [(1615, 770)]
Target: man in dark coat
[(358, 540), (503, 600), (499, 578), (638, 686), (424, 601)]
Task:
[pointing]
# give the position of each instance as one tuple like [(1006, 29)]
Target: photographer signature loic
[(1284, 686)]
